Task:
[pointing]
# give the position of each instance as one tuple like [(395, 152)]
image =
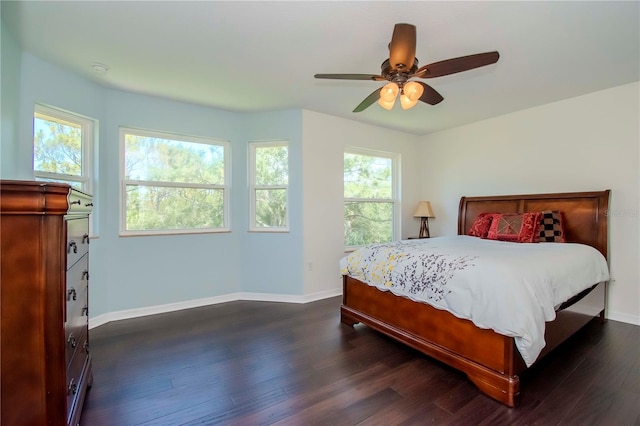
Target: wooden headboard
[(585, 213)]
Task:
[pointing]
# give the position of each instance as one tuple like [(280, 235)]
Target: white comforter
[(511, 288)]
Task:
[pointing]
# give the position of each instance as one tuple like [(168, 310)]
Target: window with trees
[(370, 197), (62, 147), (173, 183), (269, 186)]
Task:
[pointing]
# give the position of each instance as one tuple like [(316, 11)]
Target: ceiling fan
[(402, 66)]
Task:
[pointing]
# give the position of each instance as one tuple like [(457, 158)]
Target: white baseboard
[(622, 317), (287, 298), (261, 297), (196, 303)]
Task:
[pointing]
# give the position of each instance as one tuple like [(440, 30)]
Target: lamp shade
[(413, 90), (424, 210), (386, 104), (389, 92), (406, 102)]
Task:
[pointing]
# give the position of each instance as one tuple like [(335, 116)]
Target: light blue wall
[(145, 271), (10, 94), (273, 261), (137, 272), (41, 82)]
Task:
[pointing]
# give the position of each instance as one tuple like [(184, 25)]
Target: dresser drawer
[(78, 311), (75, 379), (77, 239), (80, 202), (75, 329), (77, 282)]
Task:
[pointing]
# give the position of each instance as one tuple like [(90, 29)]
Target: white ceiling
[(259, 56)]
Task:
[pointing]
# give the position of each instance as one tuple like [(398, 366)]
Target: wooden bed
[(490, 360)]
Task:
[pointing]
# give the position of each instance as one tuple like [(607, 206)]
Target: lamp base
[(424, 228)]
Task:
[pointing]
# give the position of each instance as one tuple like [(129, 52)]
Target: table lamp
[(424, 212)]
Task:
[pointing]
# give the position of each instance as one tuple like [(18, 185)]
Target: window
[(62, 147), (370, 198), (173, 183), (269, 186)]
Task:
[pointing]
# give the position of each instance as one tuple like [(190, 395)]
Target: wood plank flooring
[(260, 363)]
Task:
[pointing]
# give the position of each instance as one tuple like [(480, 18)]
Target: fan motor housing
[(398, 77)]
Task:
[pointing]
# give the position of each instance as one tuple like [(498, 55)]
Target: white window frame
[(225, 187), (253, 187), (88, 127), (395, 188)]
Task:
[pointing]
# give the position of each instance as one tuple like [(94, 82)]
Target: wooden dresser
[(44, 276)]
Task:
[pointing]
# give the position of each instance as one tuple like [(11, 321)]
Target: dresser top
[(36, 197)]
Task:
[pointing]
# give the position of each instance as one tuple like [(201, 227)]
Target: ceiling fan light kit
[(397, 71)]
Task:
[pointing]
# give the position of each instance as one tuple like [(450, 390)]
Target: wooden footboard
[(489, 359)]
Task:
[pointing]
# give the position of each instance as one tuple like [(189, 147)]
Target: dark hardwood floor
[(255, 363)]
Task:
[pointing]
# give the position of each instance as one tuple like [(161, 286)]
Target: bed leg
[(504, 389), (603, 319), (347, 319)]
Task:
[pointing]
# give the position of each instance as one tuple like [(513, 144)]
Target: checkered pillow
[(551, 227)]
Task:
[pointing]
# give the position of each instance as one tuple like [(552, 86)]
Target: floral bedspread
[(512, 288)]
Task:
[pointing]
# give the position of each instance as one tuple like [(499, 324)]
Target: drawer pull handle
[(85, 346), (78, 202), (72, 340), (85, 311), (85, 237), (71, 294), (89, 205), (85, 276), (74, 246), (73, 387)]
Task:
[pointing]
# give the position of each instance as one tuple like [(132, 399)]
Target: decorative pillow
[(480, 226), (551, 227), (515, 227)]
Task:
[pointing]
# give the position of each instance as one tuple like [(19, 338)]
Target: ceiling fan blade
[(373, 77), (452, 66), (430, 95), (368, 101), (402, 49)]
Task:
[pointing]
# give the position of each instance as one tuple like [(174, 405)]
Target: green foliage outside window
[(161, 208), (271, 180), (368, 192), (272, 165), (57, 150), (173, 184), (165, 160), (367, 177), (271, 208)]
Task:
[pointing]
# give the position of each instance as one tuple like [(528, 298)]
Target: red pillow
[(480, 226), (515, 227)]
